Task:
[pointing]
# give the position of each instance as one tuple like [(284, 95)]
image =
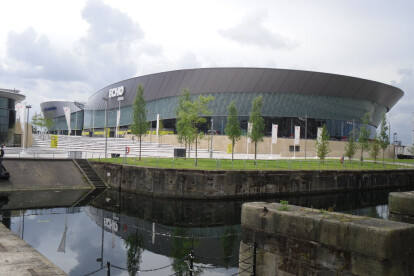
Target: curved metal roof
[(12, 94), (248, 80), (53, 109)]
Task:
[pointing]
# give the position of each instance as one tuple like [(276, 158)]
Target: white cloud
[(33, 56), (251, 30), (401, 114)]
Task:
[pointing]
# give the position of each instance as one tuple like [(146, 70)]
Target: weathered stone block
[(402, 203), (338, 242)]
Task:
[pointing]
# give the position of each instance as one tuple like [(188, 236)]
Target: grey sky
[(70, 49)]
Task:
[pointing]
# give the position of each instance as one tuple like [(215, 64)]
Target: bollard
[(108, 267), (191, 263), (254, 258)]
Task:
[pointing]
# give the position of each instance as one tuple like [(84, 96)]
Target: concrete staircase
[(99, 186), (94, 179), (96, 146)]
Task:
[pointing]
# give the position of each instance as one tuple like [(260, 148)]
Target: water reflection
[(137, 233)]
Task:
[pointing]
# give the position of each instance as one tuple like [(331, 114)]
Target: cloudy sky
[(70, 49)]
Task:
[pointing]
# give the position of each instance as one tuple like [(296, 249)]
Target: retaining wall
[(199, 184), (401, 206), (303, 241)]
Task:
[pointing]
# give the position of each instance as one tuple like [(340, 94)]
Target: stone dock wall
[(401, 206), (293, 240), (202, 184)]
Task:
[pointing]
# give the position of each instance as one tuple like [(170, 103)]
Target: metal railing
[(167, 160)]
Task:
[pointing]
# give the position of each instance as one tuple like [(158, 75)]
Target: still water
[(153, 236)]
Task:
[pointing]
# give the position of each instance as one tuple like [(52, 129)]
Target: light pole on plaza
[(106, 122), (27, 125), (306, 129)]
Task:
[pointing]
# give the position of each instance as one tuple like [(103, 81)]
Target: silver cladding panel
[(248, 80), (12, 94), (49, 111)]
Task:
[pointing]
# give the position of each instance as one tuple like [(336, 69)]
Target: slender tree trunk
[(255, 149), (140, 147), (232, 149), (185, 146), (196, 151)]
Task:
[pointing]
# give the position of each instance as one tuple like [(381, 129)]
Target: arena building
[(291, 97), (8, 100)]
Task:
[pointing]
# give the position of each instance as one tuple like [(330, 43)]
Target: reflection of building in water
[(217, 242)]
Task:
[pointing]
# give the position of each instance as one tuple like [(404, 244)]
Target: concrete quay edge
[(366, 236), (19, 258)]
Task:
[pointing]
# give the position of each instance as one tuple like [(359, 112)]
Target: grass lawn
[(241, 164), (390, 160)]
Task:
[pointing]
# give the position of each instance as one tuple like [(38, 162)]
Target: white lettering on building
[(116, 92)]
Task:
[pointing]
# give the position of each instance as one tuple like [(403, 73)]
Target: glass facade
[(76, 123), (7, 119), (285, 110)]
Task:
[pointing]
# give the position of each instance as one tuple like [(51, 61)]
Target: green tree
[(350, 148), (42, 123), (183, 125), (384, 139), (322, 144), (233, 129), (189, 118), (364, 133), (374, 148), (257, 122), (139, 125)]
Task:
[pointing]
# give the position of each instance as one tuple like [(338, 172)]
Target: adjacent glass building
[(291, 97), (8, 100)]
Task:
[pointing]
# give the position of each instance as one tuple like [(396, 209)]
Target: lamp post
[(211, 140), (27, 125), (395, 145), (106, 122), (353, 128), (306, 129)]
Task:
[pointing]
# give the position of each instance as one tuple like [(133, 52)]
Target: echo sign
[(116, 92)]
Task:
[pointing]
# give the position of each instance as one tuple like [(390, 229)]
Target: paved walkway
[(18, 258)]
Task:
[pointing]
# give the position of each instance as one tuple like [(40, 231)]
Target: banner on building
[(297, 135), (158, 125), (21, 111), (274, 133), (67, 116), (249, 131), (319, 134), (118, 118)]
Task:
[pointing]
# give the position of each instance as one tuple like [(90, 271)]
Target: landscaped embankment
[(199, 184)]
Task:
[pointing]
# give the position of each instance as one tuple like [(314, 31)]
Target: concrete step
[(90, 173)]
